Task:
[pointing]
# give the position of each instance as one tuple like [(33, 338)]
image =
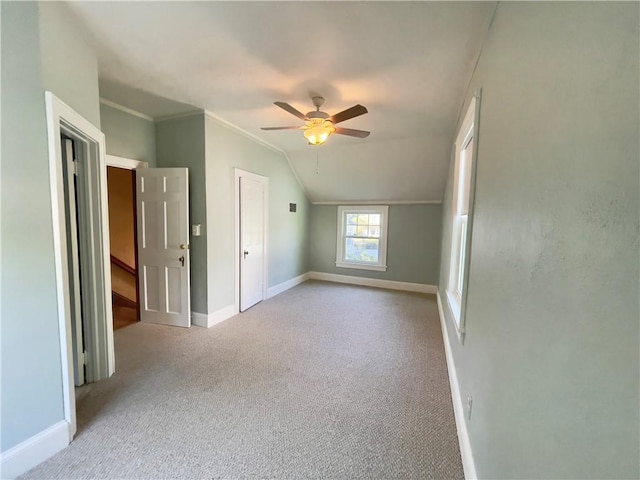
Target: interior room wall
[(551, 348), (288, 237), (180, 142), (33, 36), (128, 135), (413, 244)]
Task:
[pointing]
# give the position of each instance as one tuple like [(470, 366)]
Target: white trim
[(124, 109), (284, 286), (379, 202), (466, 453), (57, 114), (374, 282), (242, 131), (237, 173), (208, 320), (35, 450), (176, 116), (341, 261), (128, 163)]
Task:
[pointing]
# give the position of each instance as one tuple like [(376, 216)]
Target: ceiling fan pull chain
[(317, 156)]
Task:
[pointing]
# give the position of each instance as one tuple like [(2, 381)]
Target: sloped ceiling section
[(407, 62)]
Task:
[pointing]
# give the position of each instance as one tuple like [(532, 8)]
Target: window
[(464, 149), (362, 237)]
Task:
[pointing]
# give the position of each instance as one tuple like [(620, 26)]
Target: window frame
[(461, 215), (343, 210)]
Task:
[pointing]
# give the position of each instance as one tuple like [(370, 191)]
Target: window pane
[(351, 230), (374, 219), (361, 250), (352, 219), (362, 231), (363, 219), (374, 231)]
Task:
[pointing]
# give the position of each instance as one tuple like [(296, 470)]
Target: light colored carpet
[(323, 381)]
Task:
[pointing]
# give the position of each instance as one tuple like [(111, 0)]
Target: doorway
[(89, 172), (123, 245)]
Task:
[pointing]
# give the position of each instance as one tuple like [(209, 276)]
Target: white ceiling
[(408, 62)]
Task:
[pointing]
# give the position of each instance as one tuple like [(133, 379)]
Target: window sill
[(362, 266)]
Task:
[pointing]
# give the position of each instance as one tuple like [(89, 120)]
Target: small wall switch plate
[(195, 230)]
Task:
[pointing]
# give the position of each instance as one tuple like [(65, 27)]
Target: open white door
[(163, 245), (252, 240)]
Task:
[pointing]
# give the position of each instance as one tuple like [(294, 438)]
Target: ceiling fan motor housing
[(317, 102)]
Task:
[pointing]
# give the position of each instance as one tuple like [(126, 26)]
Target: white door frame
[(126, 163), (62, 119), (237, 251)]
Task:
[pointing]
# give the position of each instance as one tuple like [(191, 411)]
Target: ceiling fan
[(319, 125)]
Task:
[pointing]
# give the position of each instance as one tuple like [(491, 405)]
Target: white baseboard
[(468, 464), (35, 450), (281, 287), (208, 320), (374, 282)]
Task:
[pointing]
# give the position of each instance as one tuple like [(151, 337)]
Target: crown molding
[(175, 116), (124, 109)]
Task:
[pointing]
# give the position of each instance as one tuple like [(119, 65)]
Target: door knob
[(182, 260), (246, 253), (184, 246)]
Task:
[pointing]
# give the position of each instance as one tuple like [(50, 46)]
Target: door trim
[(130, 164), (237, 251), (63, 119), (126, 163)]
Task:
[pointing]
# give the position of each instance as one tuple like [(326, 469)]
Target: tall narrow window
[(464, 148), (362, 237)]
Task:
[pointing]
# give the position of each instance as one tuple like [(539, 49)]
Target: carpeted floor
[(323, 381)]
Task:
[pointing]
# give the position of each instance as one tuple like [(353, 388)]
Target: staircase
[(123, 289)]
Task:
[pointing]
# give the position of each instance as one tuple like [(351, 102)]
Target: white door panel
[(252, 241), (163, 245)]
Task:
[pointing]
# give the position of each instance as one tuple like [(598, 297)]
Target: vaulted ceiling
[(409, 63)]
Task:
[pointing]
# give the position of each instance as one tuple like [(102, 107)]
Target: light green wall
[(551, 352), (69, 64), (288, 232), (31, 377), (127, 135), (413, 245), (181, 143)]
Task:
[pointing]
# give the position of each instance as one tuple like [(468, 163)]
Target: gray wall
[(288, 232), (128, 135), (181, 143), (31, 377), (413, 245), (551, 351)]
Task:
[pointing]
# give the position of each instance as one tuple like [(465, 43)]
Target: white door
[(252, 241), (163, 245)]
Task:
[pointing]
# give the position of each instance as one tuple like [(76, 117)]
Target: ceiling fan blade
[(279, 128), (291, 110), (354, 111), (352, 133)]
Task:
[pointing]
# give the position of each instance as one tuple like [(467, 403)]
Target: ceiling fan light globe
[(318, 133)]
